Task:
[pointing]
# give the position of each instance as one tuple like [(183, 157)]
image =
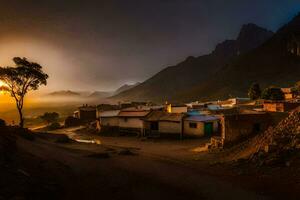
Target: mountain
[(64, 93), (125, 87), (100, 95), (276, 62), (175, 80)]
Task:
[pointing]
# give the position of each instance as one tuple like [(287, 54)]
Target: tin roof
[(202, 118), (109, 113), (133, 113), (164, 116)]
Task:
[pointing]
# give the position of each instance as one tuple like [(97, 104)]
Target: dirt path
[(147, 175)]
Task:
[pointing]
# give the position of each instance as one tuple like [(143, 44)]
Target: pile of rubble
[(280, 144)]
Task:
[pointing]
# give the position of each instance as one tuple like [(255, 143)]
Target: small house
[(280, 106), (131, 120), (238, 126), (160, 123), (201, 125), (86, 113), (109, 120)]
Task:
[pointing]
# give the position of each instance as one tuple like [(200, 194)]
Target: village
[(223, 123)]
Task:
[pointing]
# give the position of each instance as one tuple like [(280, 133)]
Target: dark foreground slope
[(170, 82), (276, 62), (45, 169)]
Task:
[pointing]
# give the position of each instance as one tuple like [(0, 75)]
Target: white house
[(200, 125), (131, 120)]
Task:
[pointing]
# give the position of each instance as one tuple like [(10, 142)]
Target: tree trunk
[(21, 118)]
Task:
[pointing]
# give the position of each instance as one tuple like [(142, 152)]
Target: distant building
[(288, 93), (86, 113), (279, 106), (176, 108)]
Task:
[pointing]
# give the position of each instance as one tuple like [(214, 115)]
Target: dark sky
[(100, 45)]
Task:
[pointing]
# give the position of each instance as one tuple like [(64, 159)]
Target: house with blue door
[(201, 125)]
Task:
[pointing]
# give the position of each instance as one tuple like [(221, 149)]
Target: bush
[(72, 121), (54, 126), (50, 117), (272, 93), (254, 91), (2, 123)]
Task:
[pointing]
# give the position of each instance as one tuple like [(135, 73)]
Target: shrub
[(2, 123), (254, 91), (72, 121), (50, 117), (272, 93), (54, 126)]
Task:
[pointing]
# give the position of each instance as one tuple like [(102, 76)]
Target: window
[(193, 125)]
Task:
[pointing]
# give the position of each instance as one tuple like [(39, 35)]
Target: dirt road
[(146, 175)]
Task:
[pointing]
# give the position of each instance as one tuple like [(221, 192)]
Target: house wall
[(130, 122), (274, 107), (88, 115), (109, 121), (290, 106), (199, 131), (280, 106), (170, 127), (178, 109), (239, 127)]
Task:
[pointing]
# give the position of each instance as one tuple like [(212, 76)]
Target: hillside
[(167, 84), (125, 87), (64, 93), (276, 62), (99, 95)]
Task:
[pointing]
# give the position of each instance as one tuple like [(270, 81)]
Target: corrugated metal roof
[(164, 116), (109, 113), (202, 118), (133, 113)]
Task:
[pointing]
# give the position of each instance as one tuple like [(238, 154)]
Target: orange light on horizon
[(3, 88)]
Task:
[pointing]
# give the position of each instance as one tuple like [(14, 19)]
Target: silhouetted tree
[(254, 91), (50, 117), (19, 80), (296, 88), (273, 93), (2, 123)]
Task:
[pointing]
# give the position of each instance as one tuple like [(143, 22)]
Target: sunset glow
[(1, 84)]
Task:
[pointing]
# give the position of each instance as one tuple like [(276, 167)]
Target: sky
[(101, 45)]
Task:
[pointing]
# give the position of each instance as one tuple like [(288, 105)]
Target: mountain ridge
[(169, 82)]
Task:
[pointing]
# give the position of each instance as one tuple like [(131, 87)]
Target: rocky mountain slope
[(175, 80), (125, 87), (276, 62)]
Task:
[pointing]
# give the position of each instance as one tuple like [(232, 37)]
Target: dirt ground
[(128, 168)]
